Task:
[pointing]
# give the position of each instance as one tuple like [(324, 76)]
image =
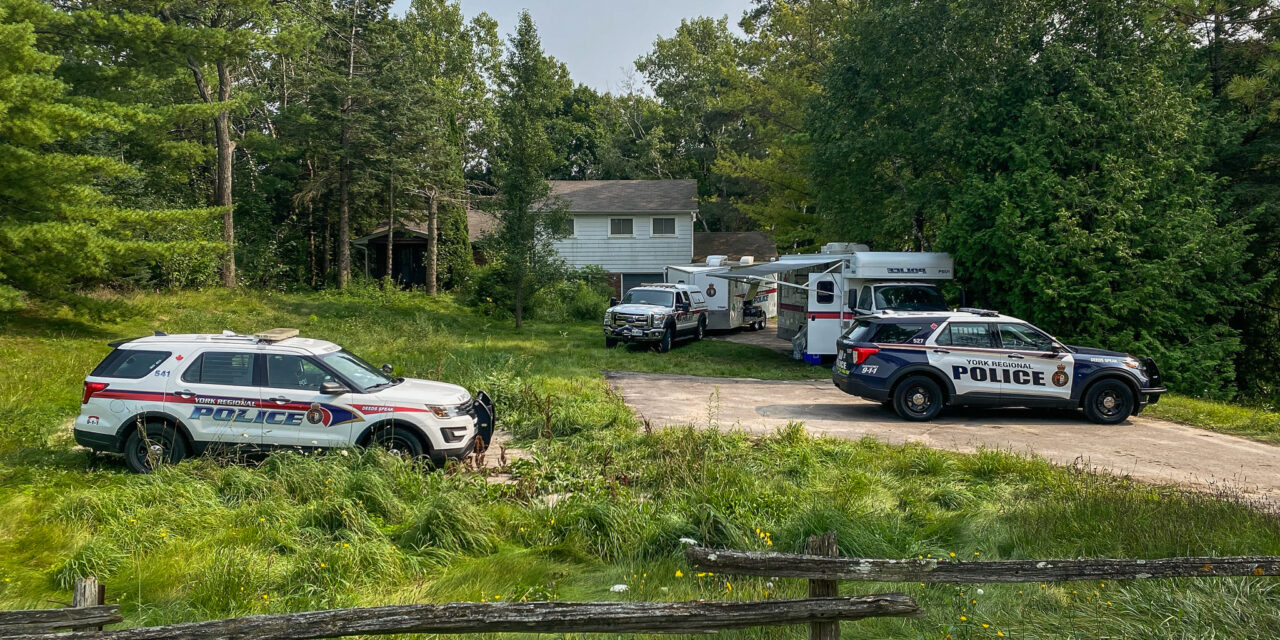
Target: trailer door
[(825, 313)]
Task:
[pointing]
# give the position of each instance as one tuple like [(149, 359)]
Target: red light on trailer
[(91, 388), (860, 354)]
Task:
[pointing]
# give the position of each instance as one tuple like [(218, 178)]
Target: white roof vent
[(716, 261), (747, 260)]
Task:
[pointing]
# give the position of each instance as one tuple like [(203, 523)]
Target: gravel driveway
[(1143, 448)]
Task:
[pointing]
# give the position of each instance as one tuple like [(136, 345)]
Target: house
[(631, 228), (408, 265)]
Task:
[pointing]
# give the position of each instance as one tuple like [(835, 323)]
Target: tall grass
[(597, 502)]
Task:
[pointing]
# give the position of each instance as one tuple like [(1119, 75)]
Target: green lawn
[(1261, 424), (600, 503)]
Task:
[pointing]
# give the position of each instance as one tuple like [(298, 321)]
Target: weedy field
[(600, 501)]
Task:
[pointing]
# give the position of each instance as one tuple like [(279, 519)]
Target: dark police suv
[(920, 362)]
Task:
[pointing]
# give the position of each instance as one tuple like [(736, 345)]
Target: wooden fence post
[(823, 545), (88, 593)]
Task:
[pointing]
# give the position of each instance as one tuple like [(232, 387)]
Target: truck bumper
[(631, 334)]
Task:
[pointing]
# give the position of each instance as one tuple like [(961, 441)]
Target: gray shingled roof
[(733, 244), (604, 196), (479, 225)]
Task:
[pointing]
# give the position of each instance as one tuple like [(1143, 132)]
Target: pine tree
[(58, 231), (531, 84)]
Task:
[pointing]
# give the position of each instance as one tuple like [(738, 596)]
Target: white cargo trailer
[(820, 294), (731, 303)]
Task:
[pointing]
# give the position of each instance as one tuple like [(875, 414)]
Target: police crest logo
[(1060, 377), (711, 291), (315, 415)]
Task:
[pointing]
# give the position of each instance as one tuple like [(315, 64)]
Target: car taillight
[(860, 354), (91, 388)]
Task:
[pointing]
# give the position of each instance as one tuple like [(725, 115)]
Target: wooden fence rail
[(520, 617), (819, 567)]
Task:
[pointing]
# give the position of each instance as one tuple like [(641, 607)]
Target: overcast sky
[(600, 39)]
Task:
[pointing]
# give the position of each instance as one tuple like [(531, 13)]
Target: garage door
[(630, 280)]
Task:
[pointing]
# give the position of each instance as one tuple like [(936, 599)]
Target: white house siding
[(591, 244)]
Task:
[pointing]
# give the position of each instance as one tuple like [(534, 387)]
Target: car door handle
[(184, 394), (941, 351), (279, 400), (1015, 356)]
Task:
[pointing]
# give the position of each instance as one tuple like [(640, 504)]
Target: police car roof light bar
[(276, 335), (986, 313)]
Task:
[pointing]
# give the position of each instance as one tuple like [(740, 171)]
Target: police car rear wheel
[(702, 330), (1108, 402), (917, 398), (398, 441), (154, 444)]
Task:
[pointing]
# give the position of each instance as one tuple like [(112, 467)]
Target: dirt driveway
[(1144, 448)]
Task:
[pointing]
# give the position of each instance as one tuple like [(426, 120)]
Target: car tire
[(701, 331), (918, 398), (396, 440), (668, 337), (153, 444), (1108, 402), (610, 343)]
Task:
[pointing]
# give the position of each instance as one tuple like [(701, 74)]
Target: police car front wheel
[(398, 442), (918, 398), (1108, 402), (150, 445)]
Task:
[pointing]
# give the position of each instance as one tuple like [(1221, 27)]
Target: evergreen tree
[(531, 85), (58, 231)]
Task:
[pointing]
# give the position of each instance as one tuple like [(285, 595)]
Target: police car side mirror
[(387, 368), (333, 389)]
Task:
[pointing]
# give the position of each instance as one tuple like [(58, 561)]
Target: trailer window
[(909, 298), (826, 292)]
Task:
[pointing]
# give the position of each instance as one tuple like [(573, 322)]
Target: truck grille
[(630, 319)]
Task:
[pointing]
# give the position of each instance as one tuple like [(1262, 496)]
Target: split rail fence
[(822, 610)]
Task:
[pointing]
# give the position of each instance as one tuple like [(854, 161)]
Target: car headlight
[(657, 319), (1133, 363), (608, 317), (448, 411)]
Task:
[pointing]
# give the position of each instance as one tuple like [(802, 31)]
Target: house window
[(621, 227), (664, 226), (569, 227)]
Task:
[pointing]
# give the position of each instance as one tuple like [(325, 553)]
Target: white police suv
[(920, 362), (166, 397)]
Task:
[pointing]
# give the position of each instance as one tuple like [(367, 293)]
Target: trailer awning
[(759, 271)]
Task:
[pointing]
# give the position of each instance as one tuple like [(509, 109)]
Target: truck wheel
[(398, 441), (918, 398), (610, 343), (668, 336), (702, 329), (1108, 402), (152, 445)]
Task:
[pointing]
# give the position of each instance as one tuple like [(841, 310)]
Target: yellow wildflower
[(679, 573)]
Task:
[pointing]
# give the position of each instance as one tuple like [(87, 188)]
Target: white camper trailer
[(730, 303), (820, 294)]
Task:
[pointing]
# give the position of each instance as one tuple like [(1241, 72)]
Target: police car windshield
[(649, 296), (356, 370), (909, 298)]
